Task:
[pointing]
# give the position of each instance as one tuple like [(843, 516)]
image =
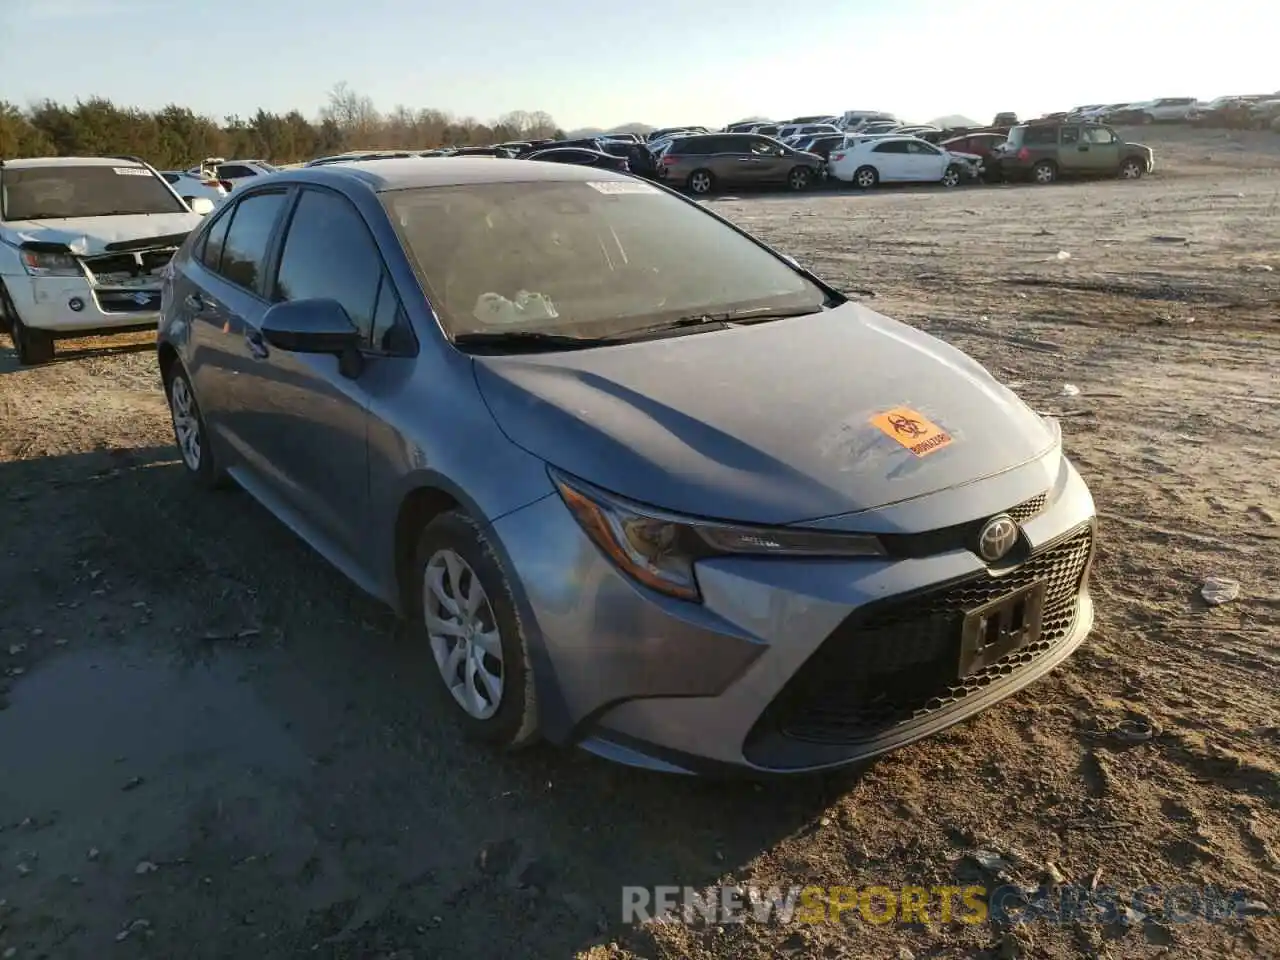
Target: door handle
[(194, 302), (257, 346)]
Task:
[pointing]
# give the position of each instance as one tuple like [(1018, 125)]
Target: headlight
[(659, 550), (41, 264)]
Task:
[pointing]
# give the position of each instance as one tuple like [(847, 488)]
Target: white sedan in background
[(189, 186), (868, 161)]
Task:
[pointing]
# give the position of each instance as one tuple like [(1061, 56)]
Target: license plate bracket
[(1000, 627)]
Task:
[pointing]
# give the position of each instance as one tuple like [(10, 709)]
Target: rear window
[(49, 193), (590, 258)]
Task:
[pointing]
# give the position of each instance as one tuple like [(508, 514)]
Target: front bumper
[(47, 303), (788, 665)]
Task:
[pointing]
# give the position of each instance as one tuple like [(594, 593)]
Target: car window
[(244, 252), (1070, 135), (923, 149), (387, 315), (891, 146), (235, 171), (1038, 136), (764, 148), (328, 253), (1099, 135), (209, 252), (582, 258)]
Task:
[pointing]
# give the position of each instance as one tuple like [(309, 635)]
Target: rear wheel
[(701, 182), (1046, 171), (190, 431), (799, 179), (1131, 169), (864, 178)]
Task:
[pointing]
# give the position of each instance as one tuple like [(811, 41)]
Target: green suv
[(1043, 152)]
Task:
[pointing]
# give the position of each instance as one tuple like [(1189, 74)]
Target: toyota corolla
[(640, 483)]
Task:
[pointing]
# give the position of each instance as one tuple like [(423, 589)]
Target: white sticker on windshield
[(131, 171), (622, 186)]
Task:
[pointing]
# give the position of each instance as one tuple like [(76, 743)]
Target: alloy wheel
[(799, 179), (463, 633), (1131, 171), (951, 178), (700, 183), (186, 423)]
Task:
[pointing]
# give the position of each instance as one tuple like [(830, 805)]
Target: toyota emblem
[(997, 537)]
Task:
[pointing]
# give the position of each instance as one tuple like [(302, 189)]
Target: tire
[(1131, 169), (701, 182), (1044, 172), (454, 544), (190, 432), (952, 176), (1146, 118), (864, 178), (32, 346), (799, 179)]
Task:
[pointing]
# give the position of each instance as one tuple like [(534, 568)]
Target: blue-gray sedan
[(641, 483)]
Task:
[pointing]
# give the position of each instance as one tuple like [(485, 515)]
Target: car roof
[(70, 162), (415, 172)]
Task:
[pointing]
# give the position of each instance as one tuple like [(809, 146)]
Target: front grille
[(898, 661), (128, 301), (961, 536), (123, 267)]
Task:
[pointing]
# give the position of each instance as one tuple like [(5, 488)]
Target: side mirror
[(311, 326), (201, 205)]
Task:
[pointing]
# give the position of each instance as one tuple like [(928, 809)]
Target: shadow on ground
[(212, 745)]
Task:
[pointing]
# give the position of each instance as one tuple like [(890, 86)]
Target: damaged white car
[(83, 245)]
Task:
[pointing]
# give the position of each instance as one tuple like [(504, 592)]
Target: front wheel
[(467, 615), (952, 177), (32, 346), (799, 179), (1131, 170)]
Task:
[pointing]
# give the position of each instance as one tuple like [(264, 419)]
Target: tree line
[(176, 137)]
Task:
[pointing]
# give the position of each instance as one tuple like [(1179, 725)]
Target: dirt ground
[(212, 746)]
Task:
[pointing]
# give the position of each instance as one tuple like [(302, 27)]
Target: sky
[(662, 62)]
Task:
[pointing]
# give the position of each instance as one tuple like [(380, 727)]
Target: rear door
[(224, 301)]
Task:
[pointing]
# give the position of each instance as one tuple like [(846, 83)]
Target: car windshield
[(585, 259), (54, 192)]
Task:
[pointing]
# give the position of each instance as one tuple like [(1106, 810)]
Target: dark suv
[(708, 162), (1043, 152)]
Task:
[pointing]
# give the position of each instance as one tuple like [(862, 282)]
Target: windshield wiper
[(724, 319), (530, 340)]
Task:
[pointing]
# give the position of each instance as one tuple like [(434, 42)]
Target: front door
[(315, 417), (1103, 154)]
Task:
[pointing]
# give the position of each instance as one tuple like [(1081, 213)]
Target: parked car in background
[(232, 173), (1167, 110), (1045, 152), (805, 129), (707, 162), (582, 158), (517, 445), (766, 129), (853, 119), (1005, 119), (83, 244), (820, 145), (189, 186), (986, 146), (869, 162)]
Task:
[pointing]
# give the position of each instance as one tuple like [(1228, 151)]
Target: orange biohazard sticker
[(911, 429)]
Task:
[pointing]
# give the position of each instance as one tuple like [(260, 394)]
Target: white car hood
[(86, 236)]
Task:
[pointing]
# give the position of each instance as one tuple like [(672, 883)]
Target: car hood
[(86, 236), (1137, 146), (769, 423)]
